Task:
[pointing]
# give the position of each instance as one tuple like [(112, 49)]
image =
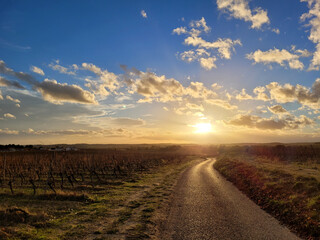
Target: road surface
[(206, 206)]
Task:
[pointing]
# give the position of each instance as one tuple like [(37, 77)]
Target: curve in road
[(206, 206)]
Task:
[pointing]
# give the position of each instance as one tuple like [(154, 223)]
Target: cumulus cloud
[(289, 93), (107, 82), (153, 87), (224, 46), (162, 89), (240, 9), (55, 92), (51, 90), (208, 63), (7, 131), (143, 14), (314, 21), (6, 83), (277, 109), (280, 57), (260, 93), (180, 30), (37, 70), (253, 121), (204, 52), (243, 95), (12, 99), (9, 116), (200, 24)]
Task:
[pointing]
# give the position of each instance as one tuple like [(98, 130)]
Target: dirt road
[(206, 206)]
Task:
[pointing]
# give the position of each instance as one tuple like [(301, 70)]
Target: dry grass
[(290, 191)]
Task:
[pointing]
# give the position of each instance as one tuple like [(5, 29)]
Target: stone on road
[(206, 206)]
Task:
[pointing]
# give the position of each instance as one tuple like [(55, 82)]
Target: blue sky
[(249, 69)]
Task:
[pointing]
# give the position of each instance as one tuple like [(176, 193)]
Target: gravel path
[(206, 206)]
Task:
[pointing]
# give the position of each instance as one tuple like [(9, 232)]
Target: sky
[(219, 71)]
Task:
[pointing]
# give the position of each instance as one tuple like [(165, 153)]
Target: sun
[(203, 127)]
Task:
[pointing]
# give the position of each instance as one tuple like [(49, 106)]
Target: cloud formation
[(289, 93), (37, 70), (12, 99), (205, 51), (51, 90), (253, 121), (61, 69), (143, 14), (55, 92), (280, 57), (9, 116), (6, 83), (153, 87), (240, 9), (314, 21), (277, 109), (107, 82), (6, 131)]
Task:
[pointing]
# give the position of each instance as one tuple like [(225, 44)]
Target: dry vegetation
[(283, 179), (110, 193)]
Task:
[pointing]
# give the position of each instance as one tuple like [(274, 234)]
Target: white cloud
[(314, 22), (179, 30), (9, 116), (208, 63), (243, 95), (252, 121), (37, 70), (65, 70), (204, 52), (162, 89), (143, 14), (12, 99), (278, 56), (260, 93), (57, 93), (107, 80), (154, 87), (240, 9), (289, 93), (8, 132), (224, 46), (198, 24)]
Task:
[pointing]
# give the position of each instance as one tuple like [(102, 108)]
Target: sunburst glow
[(203, 127)]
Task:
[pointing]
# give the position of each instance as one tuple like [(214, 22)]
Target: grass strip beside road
[(293, 197)]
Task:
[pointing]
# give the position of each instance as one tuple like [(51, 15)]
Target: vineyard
[(281, 152), (52, 170), (55, 193)]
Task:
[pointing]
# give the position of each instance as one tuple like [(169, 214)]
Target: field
[(103, 193), (283, 179), (119, 191)]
